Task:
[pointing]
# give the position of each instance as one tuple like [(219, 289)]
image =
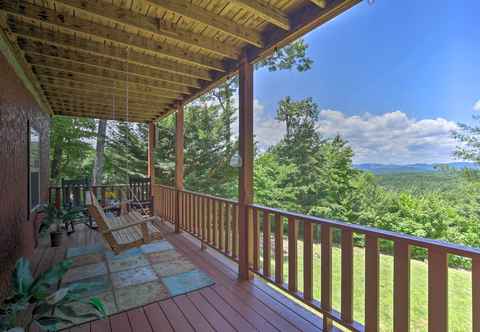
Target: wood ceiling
[(101, 58)]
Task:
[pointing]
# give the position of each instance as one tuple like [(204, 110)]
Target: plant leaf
[(50, 323), (98, 305), (22, 276), (57, 296), (51, 276)]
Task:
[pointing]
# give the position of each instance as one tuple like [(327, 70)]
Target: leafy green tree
[(70, 146), (126, 152), (469, 138)]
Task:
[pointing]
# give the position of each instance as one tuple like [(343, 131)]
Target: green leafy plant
[(57, 217), (32, 302)]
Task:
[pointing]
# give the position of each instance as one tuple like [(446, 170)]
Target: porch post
[(246, 170), (151, 146), (150, 164), (179, 157)]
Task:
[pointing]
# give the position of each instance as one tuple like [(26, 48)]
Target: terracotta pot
[(56, 239)]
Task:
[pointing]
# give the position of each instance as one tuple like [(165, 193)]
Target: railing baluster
[(103, 198), (401, 287), (371, 283), (476, 294), (205, 219), (234, 232), (227, 230), (190, 215), (326, 245), (221, 222), (266, 244), (308, 260), (214, 223), (347, 276), (209, 221), (437, 290), (256, 241), (292, 255), (202, 217), (278, 249)]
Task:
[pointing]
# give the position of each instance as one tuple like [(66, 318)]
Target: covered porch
[(128, 62), (228, 305)]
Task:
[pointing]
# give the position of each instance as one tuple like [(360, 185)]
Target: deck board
[(192, 314), (138, 320), (229, 305)]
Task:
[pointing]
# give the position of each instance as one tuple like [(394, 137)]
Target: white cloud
[(387, 138), (476, 106), (392, 137)]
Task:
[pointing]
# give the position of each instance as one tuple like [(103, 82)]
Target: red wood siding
[(17, 109)]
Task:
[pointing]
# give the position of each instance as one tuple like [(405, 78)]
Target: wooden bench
[(127, 231)]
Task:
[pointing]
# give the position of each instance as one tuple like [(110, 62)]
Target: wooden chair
[(74, 192), (127, 231), (140, 194)]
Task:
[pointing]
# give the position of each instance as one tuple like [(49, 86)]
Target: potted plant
[(31, 302), (55, 222)]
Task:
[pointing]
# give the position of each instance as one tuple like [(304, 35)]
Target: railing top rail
[(456, 249), (226, 200), (96, 186), (230, 201)]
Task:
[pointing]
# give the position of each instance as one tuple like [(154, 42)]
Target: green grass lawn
[(460, 305)]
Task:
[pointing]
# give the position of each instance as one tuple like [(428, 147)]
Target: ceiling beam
[(320, 3), (198, 14), (40, 61), (302, 21), (119, 111), (49, 16), (108, 108), (34, 48), (266, 12), (64, 40), (157, 26), (100, 96), (95, 114), (118, 93), (104, 85)]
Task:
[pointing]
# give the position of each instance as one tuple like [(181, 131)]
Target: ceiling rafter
[(42, 61), (320, 3), (187, 9), (89, 113), (117, 110), (104, 85), (49, 16), (157, 26), (101, 96), (64, 40), (266, 12), (105, 63)]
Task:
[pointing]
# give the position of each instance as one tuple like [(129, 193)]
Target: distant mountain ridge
[(411, 168)]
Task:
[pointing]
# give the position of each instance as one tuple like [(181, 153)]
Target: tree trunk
[(100, 153), (57, 159)]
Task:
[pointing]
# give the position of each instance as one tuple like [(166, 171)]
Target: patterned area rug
[(135, 277)]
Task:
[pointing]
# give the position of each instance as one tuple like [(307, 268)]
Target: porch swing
[(131, 228)]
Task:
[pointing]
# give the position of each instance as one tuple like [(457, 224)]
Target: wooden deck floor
[(229, 305)]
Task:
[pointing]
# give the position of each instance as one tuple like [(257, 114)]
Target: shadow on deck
[(229, 305)]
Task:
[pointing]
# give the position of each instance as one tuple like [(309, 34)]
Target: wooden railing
[(212, 220), (104, 193), (279, 236)]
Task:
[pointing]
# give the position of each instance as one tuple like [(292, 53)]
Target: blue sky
[(395, 70)]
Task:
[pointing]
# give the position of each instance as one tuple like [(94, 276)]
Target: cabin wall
[(18, 110)]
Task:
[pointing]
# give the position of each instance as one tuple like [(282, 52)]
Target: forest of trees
[(305, 172)]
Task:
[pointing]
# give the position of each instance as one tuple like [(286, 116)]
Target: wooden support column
[(246, 171), (179, 158), (150, 162), (151, 146)]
